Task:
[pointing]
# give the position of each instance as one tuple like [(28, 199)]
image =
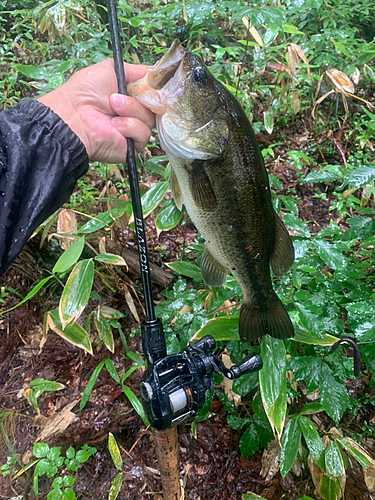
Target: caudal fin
[(256, 322)]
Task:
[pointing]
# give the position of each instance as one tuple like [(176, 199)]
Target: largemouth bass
[(218, 173)]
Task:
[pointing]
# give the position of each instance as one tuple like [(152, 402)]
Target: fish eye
[(199, 75)]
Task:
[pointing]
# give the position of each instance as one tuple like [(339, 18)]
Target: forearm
[(40, 162)]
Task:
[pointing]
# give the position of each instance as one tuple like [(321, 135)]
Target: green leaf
[(309, 338), (330, 255), (90, 385), (110, 258), (69, 257), (36, 73), (268, 121), (32, 292), (296, 224), (104, 219), (330, 488), (249, 442), (68, 480), (73, 333), (311, 409), (186, 269), (82, 456), (154, 196), (333, 460), (40, 450), (169, 216), (68, 494), (334, 398), (46, 385), (54, 454), (365, 174), (70, 452), (243, 385), (330, 173), (290, 444), (112, 370), (55, 494), (313, 441), (57, 482), (356, 451), (115, 487), (104, 330), (272, 379), (42, 467), (134, 401), (153, 165), (252, 496), (114, 451), (223, 328), (76, 291)]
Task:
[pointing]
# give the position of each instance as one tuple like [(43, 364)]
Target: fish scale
[(221, 179)]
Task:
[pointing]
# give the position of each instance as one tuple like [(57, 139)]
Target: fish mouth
[(163, 80), (166, 67)]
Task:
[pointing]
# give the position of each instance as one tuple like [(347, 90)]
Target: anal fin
[(283, 254), (176, 190), (213, 273), (201, 187)]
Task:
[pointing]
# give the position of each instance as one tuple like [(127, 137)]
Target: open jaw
[(162, 81)]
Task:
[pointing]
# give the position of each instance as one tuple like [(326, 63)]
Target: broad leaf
[(103, 219), (69, 257), (104, 330), (330, 255), (356, 451), (272, 379), (154, 196), (330, 488), (110, 258), (135, 403), (313, 441), (333, 460), (186, 269), (169, 216), (36, 73), (76, 292), (362, 175), (115, 487), (296, 224), (90, 385), (290, 444), (114, 451), (223, 328), (73, 333), (249, 442)]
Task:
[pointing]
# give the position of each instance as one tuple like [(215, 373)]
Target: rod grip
[(166, 449)]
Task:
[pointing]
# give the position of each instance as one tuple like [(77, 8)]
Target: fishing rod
[(174, 386)]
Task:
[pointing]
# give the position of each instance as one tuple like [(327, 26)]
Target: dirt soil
[(211, 464)]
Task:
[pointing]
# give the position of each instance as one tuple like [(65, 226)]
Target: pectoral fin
[(176, 191), (283, 254), (201, 187), (213, 273)]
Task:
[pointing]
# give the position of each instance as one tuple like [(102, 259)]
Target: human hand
[(101, 118)]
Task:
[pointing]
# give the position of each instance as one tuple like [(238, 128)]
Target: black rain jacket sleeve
[(41, 159)]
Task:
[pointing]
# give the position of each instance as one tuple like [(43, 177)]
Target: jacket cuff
[(45, 117)]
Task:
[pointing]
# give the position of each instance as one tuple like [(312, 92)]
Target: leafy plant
[(38, 387), (49, 462)]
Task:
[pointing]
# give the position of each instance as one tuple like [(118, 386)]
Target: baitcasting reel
[(174, 386)]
